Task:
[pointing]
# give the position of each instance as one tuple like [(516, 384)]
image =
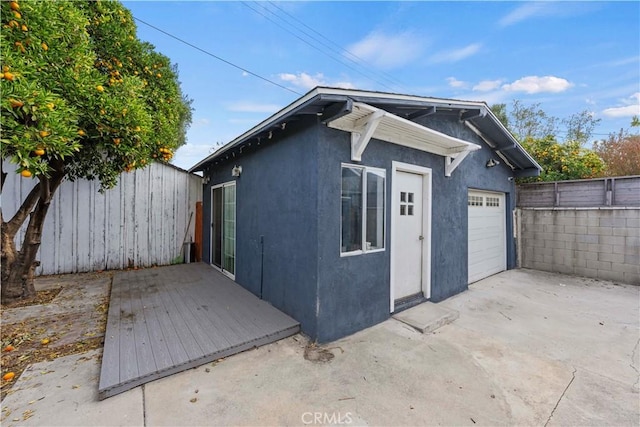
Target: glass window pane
[(351, 209), (216, 228), (410, 200), (403, 196), (375, 209), (403, 209), (229, 229)]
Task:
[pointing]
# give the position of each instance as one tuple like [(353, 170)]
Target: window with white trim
[(474, 200), (363, 209), (493, 201)]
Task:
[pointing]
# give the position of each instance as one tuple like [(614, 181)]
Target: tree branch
[(21, 215)]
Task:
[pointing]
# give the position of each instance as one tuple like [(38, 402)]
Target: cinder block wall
[(602, 243)]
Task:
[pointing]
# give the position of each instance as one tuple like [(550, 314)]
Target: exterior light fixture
[(236, 171), (491, 163)]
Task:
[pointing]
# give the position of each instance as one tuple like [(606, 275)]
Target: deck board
[(165, 320)]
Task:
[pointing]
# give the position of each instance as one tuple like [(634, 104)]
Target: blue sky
[(567, 56)]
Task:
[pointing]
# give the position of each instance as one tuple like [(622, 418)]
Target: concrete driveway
[(529, 348)]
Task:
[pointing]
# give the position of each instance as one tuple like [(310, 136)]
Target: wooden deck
[(168, 319)]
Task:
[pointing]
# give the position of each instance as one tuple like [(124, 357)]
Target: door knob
[(421, 238)]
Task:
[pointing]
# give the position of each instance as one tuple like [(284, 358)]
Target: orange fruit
[(9, 348), (26, 173), (100, 88), (13, 24), (44, 46), (17, 14), (38, 151), (8, 376), (24, 28), (116, 141), (51, 106), (9, 76), (81, 132), (14, 5), (15, 103), (44, 133)]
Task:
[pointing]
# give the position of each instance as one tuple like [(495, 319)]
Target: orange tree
[(82, 97)]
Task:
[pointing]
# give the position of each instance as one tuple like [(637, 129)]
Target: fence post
[(556, 194), (612, 192), (517, 234)]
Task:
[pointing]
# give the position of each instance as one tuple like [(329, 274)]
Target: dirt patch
[(316, 354), (44, 296), (68, 316)]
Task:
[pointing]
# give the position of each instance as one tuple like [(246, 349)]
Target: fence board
[(140, 222), (618, 191)]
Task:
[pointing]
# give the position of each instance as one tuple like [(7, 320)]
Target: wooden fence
[(619, 191), (141, 222)]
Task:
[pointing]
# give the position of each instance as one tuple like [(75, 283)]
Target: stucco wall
[(289, 192), (602, 243), (275, 200), (355, 291)]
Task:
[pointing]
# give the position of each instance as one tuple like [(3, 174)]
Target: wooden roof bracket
[(452, 162), (360, 138)]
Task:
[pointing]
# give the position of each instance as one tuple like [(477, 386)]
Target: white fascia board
[(260, 126), (443, 102)]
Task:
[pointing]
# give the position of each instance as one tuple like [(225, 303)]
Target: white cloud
[(190, 154), (203, 121), (526, 11), (537, 84), (253, 107), (457, 54), (453, 82), (631, 109), (487, 85), (307, 81), (388, 50), (538, 9)]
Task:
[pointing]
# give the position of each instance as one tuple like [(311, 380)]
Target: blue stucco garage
[(347, 205)]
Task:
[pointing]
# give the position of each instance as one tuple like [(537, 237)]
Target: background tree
[(621, 152), (82, 97), (563, 161), (539, 132)]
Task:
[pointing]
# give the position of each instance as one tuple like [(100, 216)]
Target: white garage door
[(487, 239)]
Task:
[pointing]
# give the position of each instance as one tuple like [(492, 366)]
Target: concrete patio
[(528, 348)]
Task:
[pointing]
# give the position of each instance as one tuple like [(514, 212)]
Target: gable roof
[(333, 103)]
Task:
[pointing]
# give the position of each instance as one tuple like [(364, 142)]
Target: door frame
[(426, 225), (235, 230)]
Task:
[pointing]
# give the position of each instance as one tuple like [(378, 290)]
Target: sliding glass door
[(223, 228)]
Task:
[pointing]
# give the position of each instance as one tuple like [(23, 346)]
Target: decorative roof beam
[(422, 113), (360, 139), (337, 110), (472, 114)]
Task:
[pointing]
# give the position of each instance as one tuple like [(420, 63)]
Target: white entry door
[(408, 242), (487, 234)]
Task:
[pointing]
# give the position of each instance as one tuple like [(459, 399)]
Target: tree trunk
[(18, 267)]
